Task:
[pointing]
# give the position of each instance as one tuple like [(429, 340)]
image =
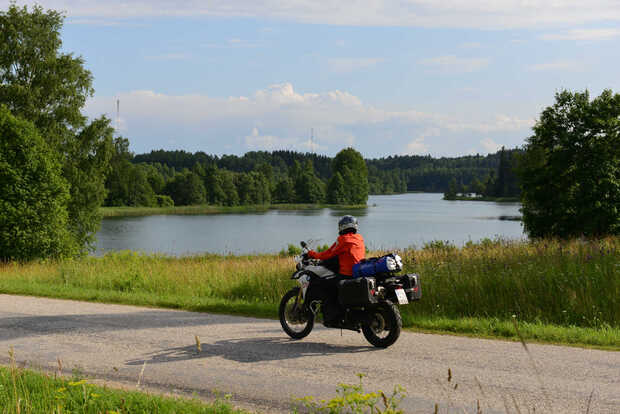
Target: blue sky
[(384, 76)]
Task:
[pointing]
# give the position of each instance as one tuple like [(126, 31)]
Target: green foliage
[(336, 191), (37, 81), (129, 184), (570, 171), (291, 250), (34, 392), (452, 191), (351, 166), (352, 399), (284, 191), (186, 189), (33, 195), (164, 201), (41, 84), (308, 187), (85, 166)]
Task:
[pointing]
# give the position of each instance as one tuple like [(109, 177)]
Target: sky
[(386, 77)]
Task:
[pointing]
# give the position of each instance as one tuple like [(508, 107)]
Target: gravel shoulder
[(264, 370)]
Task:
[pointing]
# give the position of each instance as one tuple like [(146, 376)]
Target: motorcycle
[(369, 303)]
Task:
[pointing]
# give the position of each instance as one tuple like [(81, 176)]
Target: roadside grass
[(205, 209), (565, 292), (25, 391)]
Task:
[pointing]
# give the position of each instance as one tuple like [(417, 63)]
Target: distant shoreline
[(108, 212), (493, 199)]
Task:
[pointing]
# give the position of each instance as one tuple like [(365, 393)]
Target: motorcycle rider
[(347, 251)]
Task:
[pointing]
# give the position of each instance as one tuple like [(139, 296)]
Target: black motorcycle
[(368, 302)]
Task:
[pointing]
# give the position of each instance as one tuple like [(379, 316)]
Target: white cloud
[(347, 65), (559, 65), (453, 64), (491, 14), (490, 146), (583, 34), (280, 117), (256, 141), (418, 146)]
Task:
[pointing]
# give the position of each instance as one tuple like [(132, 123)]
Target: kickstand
[(340, 331)]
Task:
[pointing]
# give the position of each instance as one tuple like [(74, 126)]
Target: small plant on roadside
[(353, 399)]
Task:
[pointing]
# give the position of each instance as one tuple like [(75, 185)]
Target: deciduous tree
[(570, 171)]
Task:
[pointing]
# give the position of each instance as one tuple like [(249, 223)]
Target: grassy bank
[(565, 292), (27, 391), (210, 209)]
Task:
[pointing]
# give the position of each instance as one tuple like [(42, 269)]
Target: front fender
[(297, 274)]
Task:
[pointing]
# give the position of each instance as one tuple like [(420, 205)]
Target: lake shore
[(556, 291), (212, 209), (492, 199)]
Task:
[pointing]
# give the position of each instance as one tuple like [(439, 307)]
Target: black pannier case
[(357, 292), (411, 285)]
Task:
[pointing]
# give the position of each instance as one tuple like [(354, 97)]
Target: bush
[(164, 201), (33, 195)]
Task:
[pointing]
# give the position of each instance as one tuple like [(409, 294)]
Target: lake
[(394, 221)]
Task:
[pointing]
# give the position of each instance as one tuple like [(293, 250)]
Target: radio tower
[(118, 114), (312, 139)]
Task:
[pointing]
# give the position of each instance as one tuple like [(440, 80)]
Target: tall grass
[(563, 283), (28, 392)]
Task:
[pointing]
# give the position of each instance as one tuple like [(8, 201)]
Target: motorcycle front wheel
[(384, 326), (296, 322)]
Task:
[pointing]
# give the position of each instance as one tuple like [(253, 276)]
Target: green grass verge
[(26, 391), (210, 209), (560, 291)]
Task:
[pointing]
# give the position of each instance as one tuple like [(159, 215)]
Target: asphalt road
[(254, 360)]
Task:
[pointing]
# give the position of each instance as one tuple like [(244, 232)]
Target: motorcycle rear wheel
[(295, 322), (385, 326)]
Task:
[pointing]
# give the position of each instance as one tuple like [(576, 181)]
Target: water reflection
[(393, 222)]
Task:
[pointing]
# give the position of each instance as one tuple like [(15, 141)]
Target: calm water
[(389, 221)]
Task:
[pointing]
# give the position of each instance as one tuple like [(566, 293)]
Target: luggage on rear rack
[(357, 292), (390, 263), (411, 285)]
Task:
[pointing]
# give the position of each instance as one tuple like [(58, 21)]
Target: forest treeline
[(166, 178), (501, 183), (259, 177)]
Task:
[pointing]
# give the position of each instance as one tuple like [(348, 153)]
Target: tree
[(570, 171), (186, 189), (284, 191), (308, 187), (452, 190), (41, 84), (33, 195), (213, 184), (227, 180), (352, 167), (336, 191)]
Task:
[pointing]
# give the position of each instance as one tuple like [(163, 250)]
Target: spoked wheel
[(385, 325), (296, 322)]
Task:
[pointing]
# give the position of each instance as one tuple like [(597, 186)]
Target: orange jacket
[(349, 248)]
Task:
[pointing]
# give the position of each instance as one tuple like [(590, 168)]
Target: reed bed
[(206, 209), (477, 289)]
